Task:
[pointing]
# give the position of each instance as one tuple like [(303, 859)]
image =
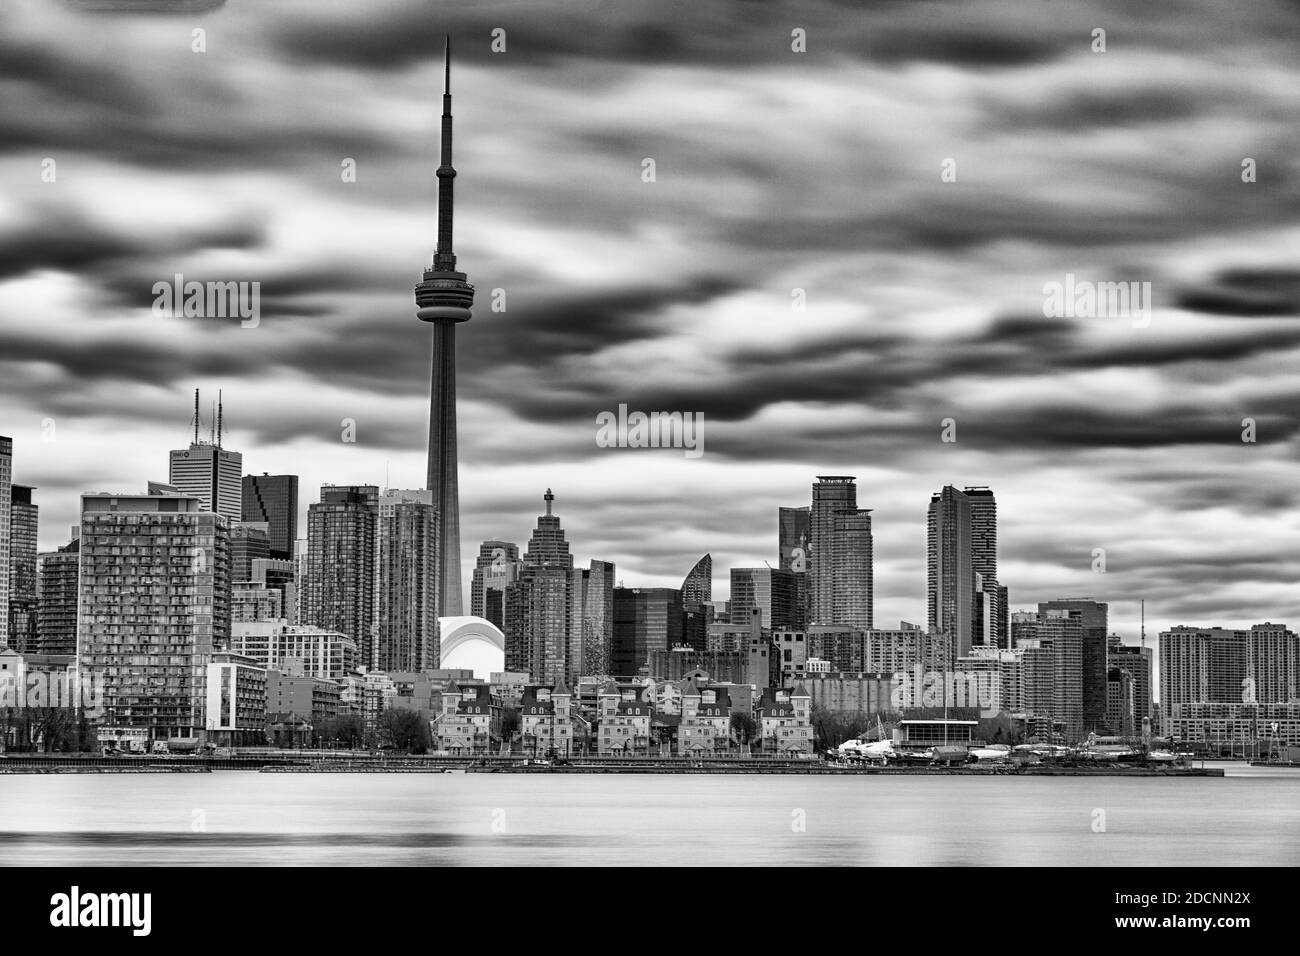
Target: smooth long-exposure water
[(1251, 817)]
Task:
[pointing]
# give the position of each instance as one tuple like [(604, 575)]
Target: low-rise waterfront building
[(625, 717), (236, 701), (705, 726), (545, 720), (470, 721), (785, 721)]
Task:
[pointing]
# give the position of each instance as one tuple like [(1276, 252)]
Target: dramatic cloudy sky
[(776, 171)]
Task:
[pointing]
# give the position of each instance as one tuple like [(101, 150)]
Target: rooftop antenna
[(219, 408), (212, 426), (1144, 622), (196, 416)]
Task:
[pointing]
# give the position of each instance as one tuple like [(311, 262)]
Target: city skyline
[(1145, 461)]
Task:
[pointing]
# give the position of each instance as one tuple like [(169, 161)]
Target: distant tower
[(406, 592), (209, 472), (839, 565), (951, 584), (444, 298), (274, 500), (338, 591), (537, 608), (831, 495), (697, 587), (6, 479)]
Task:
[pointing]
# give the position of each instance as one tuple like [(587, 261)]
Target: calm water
[(1251, 817)]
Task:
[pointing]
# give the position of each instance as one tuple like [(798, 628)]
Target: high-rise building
[(1121, 713), (278, 575), (406, 594), (273, 499), (951, 585), (837, 555), (989, 627), (497, 566), (852, 570), (56, 585), (773, 592), (963, 592), (295, 650), (1201, 664), (6, 480), (249, 541), (1136, 662), (536, 605), (983, 531), (794, 530), (793, 534), (645, 620), (904, 650), (697, 603), (252, 602), (1058, 638), (1273, 663), (209, 472), (1093, 616), (831, 496), (1220, 666), (591, 620), (697, 586), (23, 519), (444, 298), (339, 589), (154, 606), (547, 548), (537, 623), (301, 569)]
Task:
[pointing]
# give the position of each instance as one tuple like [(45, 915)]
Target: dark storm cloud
[(977, 36), (78, 80), (1246, 292), (883, 371), (581, 324), (60, 239)]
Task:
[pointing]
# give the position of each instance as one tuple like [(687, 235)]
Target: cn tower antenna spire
[(445, 258)]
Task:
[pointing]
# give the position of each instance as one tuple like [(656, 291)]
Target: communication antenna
[(219, 409), (1144, 622), (212, 426), (196, 416)]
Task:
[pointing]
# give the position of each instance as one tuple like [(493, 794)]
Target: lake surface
[(1250, 817)]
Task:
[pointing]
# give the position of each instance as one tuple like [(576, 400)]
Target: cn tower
[(444, 298)]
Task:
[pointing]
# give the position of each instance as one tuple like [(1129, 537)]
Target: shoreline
[(93, 765)]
